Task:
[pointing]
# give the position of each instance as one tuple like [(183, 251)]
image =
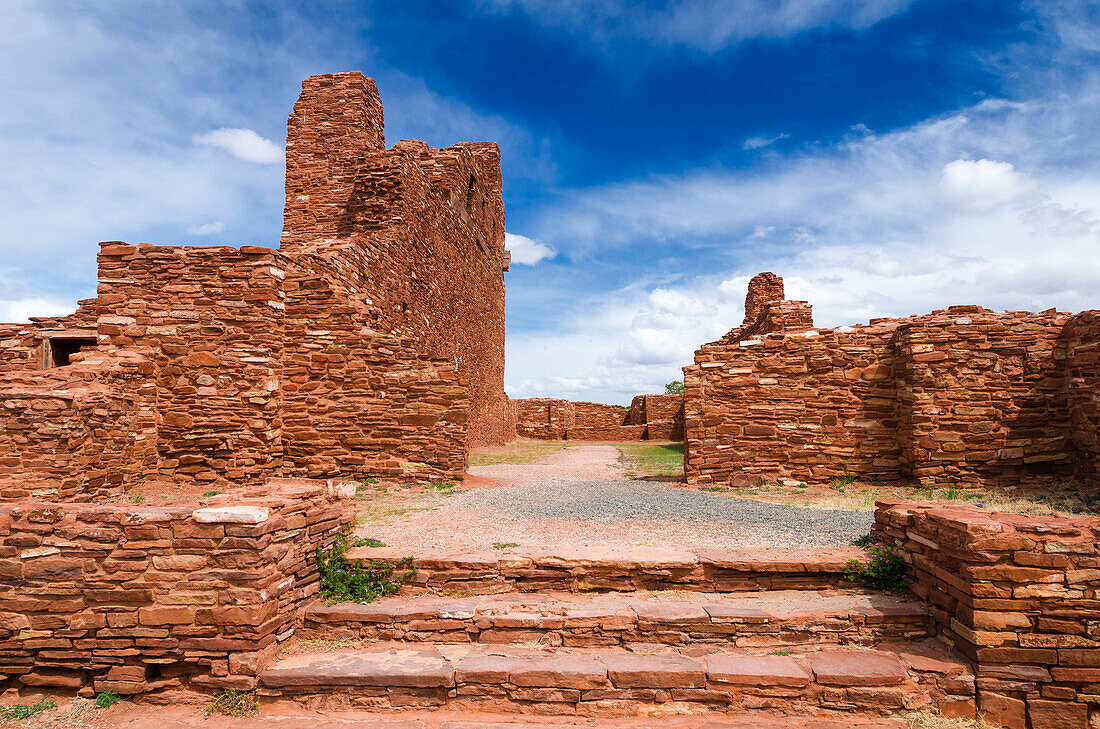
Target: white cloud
[(525, 251), (997, 205), (760, 142), (244, 144), (983, 184), (206, 228), (20, 310)]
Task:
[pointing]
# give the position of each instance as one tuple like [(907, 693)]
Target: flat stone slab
[(631, 670), (422, 668), (756, 670), (561, 671), (857, 668)]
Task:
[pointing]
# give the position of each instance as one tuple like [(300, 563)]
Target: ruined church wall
[(962, 397), (1082, 336), (357, 400), (556, 419), (981, 398), (429, 223), (211, 320), (782, 404)]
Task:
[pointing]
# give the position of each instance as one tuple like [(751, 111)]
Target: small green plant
[(865, 541), (446, 486), (369, 542), (24, 711), (676, 387), (233, 703), (208, 494), (138, 498), (345, 581), (504, 545), (780, 652), (107, 699), (885, 570), (841, 482), (761, 482), (801, 486)]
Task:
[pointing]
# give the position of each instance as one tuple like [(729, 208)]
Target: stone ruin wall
[(649, 417), (132, 599), (426, 224), (1015, 594), (964, 397), (369, 344)]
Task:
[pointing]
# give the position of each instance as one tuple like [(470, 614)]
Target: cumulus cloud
[(206, 228), (244, 144), (982, 206), (982, 184), (525, 251)]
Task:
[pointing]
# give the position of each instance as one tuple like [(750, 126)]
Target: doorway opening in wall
[(58, 351)]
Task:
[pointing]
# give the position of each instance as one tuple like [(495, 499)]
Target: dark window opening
[(60, 351), (470, 192)]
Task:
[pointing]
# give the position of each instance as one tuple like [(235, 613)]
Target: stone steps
[(618, 682), (590, 570), (746, 620)]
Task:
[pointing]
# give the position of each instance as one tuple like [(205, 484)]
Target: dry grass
[(524, 450), (233, 703), (933, 720), (861, 496)]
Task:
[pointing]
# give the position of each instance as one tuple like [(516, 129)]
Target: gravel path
[(579, 498)]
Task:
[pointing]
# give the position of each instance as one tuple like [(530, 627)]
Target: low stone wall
[(131, 599), (649, 417), (1019, 596), (615, 433)]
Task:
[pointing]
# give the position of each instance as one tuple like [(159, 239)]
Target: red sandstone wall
[(963, 397), (556, 419), (80, 432), (429, 224), (813, 407), (1083, 392), (1015, 594), (132, 599), (358, 401), (981, 397), (211, 318), (543, 417)]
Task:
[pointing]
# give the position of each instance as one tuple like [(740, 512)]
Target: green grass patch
[(519, 451), (19, 712), (652, 461), (106, 699), (504, 545)]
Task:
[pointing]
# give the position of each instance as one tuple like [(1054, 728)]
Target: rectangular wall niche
[(57, 350)]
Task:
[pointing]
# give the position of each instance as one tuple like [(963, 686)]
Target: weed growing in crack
[(345, 581)]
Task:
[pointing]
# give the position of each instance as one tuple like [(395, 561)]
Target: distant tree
[(674, 388)]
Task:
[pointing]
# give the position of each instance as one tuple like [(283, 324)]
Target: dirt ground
[(81, 714)]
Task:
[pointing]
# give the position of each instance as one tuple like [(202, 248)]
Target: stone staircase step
[(642, 568), (610, 682), (745, 620)]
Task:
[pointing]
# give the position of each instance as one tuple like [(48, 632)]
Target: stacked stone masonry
[(649, 417), (133, 599), (1017, 595), (371, 343), (964, 397)]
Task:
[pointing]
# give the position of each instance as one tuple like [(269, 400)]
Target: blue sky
[(886, 157)]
